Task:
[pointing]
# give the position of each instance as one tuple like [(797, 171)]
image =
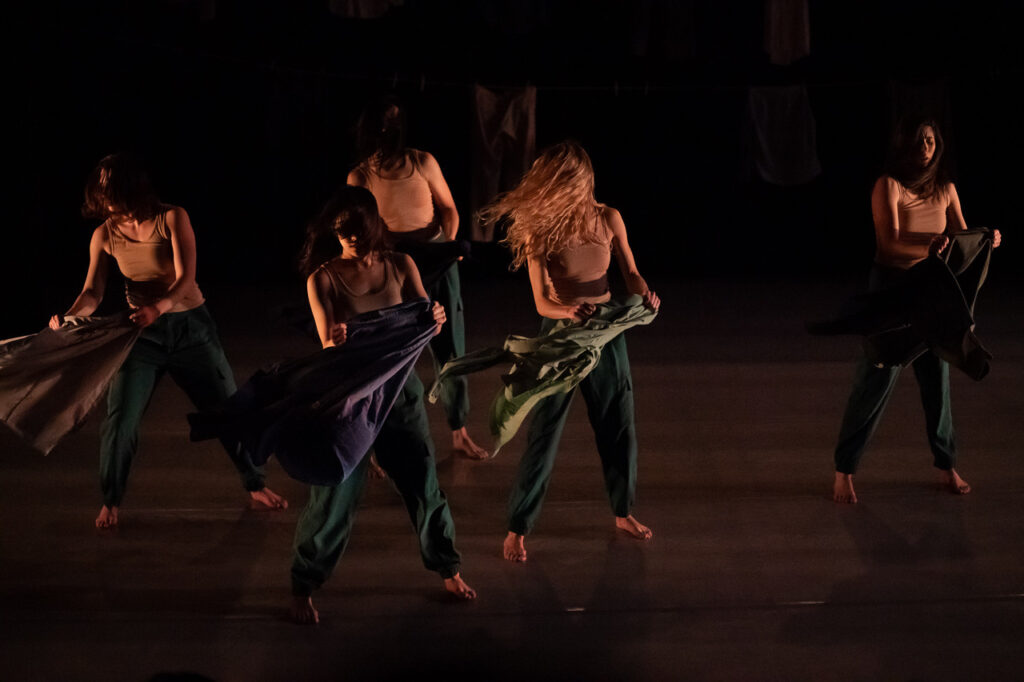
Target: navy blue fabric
[(320, 414)]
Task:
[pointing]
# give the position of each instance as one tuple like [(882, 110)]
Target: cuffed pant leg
[(537, 462), (872, 387), (323, 530), (199, 366), (405, 451), (127, 400), (932, 375), (608, 392), (449, 344)]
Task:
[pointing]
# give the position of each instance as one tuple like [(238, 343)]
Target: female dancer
[(566, 240), (913, 205), (350, 273), (408, 186), (154, 247)]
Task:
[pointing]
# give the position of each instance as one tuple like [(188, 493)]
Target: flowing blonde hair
[(552, 207)]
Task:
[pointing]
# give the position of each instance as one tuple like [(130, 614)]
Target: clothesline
[(423, 81)]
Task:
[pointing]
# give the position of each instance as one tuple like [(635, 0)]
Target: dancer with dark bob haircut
[(566, 239), (418, 209), (350, 274), (155, 248), (915, 207)]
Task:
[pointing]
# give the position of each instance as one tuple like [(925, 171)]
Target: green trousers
[(872, 387), (184, 345), (451, 343), (405, 451), (608, 392)]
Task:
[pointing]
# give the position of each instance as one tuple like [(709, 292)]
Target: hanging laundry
[(787, 31), (784, 137), (362, 9), (504, 142)]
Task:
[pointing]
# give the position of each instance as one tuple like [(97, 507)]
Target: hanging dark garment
[(929, 306), (504, 141), (787, 31), (320, 414), (51, 380), (784, 135)]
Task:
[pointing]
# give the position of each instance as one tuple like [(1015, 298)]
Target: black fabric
[(928, 306)]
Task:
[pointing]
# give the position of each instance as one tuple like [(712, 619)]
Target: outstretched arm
[(95, 280), (444, 203), (635, 284)]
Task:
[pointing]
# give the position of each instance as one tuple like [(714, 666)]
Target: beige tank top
[(404, 203), (389, 293), (919, 216), (579, 273), (148, 266)]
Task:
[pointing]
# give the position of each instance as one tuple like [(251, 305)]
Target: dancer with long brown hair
[(915, 208), (566, 239), (154, 247)]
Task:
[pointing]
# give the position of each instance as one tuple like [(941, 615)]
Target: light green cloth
[(555, 362)]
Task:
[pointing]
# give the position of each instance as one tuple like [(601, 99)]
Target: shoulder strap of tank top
[(160, 223)]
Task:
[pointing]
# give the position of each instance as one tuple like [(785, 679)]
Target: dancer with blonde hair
[(566, 239)]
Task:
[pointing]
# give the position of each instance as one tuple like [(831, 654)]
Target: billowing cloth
[(504, 141), (784, 135), (555, 362), (930, 306), (50, 381), (320, 414)]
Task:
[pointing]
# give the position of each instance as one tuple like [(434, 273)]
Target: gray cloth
[(51, 380)]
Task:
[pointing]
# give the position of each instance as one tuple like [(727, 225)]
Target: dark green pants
[(872, 387), (405, 451), (184, 345), (451, 343), (608, 392)]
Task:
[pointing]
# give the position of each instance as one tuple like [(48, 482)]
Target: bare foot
[(842, 489), (633, 527), (268, 498), (107, 517), (514, 548), (302, 611), (952, 482), (457, 586), (376, 471), (461, 442)]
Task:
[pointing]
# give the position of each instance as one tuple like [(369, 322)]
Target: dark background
[(244, 113)]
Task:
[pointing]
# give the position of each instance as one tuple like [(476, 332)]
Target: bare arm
[(95, 279), (955, 216), (332, 332), (635, 284), (448, 215), (412, 287), (356, 177)]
